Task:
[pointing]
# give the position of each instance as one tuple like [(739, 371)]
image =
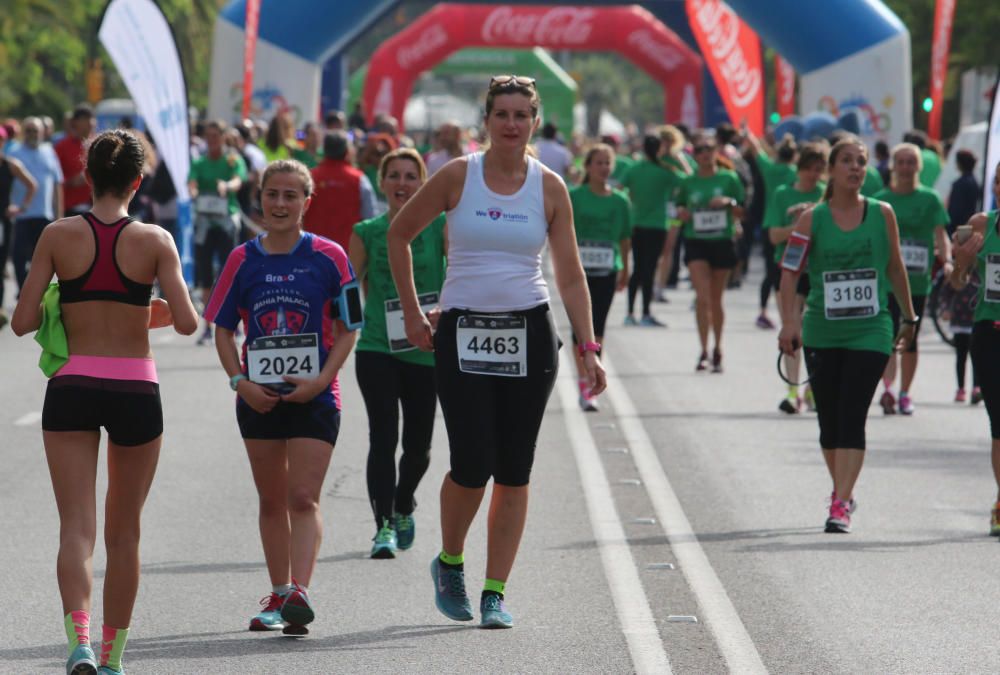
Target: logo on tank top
[(496, 213)]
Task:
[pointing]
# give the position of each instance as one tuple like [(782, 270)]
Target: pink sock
[(77, 628)]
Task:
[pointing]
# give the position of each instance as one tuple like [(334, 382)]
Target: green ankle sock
[(494, 586), (452, 559)]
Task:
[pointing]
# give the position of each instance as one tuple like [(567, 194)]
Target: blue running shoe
[(630, 320), (82, 661), (105, 670), (296, 610), (406, 530), (449, 592), (384, 545), (269, 618), (494, 614)]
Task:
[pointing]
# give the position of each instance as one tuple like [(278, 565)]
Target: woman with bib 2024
[(982, 250), (299, 303), (392, 373), (496, 351), (851, 244), (106, 264)]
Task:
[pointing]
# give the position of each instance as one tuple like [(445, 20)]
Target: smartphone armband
[(796, 251), (349, 306)]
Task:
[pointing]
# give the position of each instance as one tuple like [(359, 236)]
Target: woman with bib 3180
[(496, 350), (106, 263), (299, 303), (602, 217), (851, 244), (392, 373), (982, 251)]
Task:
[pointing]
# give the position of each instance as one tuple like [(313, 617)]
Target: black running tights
[(647, 245)]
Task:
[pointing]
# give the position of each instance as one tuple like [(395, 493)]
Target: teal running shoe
[(269, 618), (106, 670), (385, 542), (449, 592), (296, 610), (494, 614), (82, 661), (406, 530)]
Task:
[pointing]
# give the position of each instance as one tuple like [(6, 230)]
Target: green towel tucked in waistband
[(51, 335)]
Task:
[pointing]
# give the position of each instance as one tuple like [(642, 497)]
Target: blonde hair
[(289, 166), (912, 147), (408, 154), (595, 149), (674, 135)]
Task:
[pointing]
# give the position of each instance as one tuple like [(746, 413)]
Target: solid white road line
[(718, 612), (630, 600), (28, 419)]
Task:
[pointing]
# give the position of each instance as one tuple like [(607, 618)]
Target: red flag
[(249, 50), (943, 15), (732, 51), (784, 86)]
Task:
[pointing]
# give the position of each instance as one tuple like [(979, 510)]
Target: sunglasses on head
[(511, 80)]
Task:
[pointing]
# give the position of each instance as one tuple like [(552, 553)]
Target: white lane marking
[(730, 634), (28, 419), (630, 600)]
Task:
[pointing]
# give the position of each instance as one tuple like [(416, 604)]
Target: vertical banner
[(249, 52), (732, 51), (137, 37), (992, 150), (784, 89), (943, 15)]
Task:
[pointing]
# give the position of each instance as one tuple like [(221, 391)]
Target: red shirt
[(336, 203), (70, 151)]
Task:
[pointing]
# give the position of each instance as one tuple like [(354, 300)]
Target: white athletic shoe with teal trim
[(82, 661)]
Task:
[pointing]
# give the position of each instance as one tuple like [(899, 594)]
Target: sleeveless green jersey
[(919, 214), (988, 307)]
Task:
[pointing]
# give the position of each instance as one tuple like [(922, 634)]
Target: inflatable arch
[(849, 54), (557, 89)]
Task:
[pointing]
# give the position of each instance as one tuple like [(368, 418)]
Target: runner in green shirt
[(709, 202), (783, 209), (602, 217), (851, 245), (392, 374), (675, 159), (922, 229)]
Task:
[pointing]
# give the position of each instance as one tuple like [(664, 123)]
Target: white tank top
[(495, 244)]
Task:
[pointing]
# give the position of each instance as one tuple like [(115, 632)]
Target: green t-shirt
[(932, 167), (428, 274), (695, 192), (650, 186), (785, 197), (851, 270), (622, 164), (308, 158), (775, 175), (918, 214), (207, 173), (601, 222), (988, 304), (873, 182)]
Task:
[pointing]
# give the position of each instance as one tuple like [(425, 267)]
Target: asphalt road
[(680, 528)]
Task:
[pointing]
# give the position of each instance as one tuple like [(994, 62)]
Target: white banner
[(136, 35), (992, 152)]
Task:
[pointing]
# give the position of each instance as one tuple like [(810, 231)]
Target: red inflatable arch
[(631, 31)]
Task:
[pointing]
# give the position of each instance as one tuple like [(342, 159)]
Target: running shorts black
[(720, 254), (129, 410), (289, 420), (493, 420)]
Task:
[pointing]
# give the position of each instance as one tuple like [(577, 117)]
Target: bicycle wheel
[(939, 312)]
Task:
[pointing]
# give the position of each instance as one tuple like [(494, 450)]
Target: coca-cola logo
[(721, 29), (562, 26), (431, 39), (666, 56), (939, 50)]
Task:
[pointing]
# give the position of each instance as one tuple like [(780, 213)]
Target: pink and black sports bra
[(105, 280)]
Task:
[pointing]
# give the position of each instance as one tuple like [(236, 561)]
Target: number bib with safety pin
[(492, 345), (709, 222), (851, 294), (270, 358), (211, 205), (598, 257), (992, 281), (915, 256), (395, 327)]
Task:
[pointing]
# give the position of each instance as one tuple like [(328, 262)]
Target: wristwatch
[(585, 347), (911, 322), (235, 380)]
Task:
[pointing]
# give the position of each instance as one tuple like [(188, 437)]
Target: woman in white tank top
[(496, 352)]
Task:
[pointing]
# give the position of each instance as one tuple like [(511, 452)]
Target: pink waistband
[(110, 368)]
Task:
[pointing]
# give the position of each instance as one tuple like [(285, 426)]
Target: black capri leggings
[(963, 343), (843, 382), (387, 384), (647, 245), (986, 365), (493, 420), (772, 273)]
